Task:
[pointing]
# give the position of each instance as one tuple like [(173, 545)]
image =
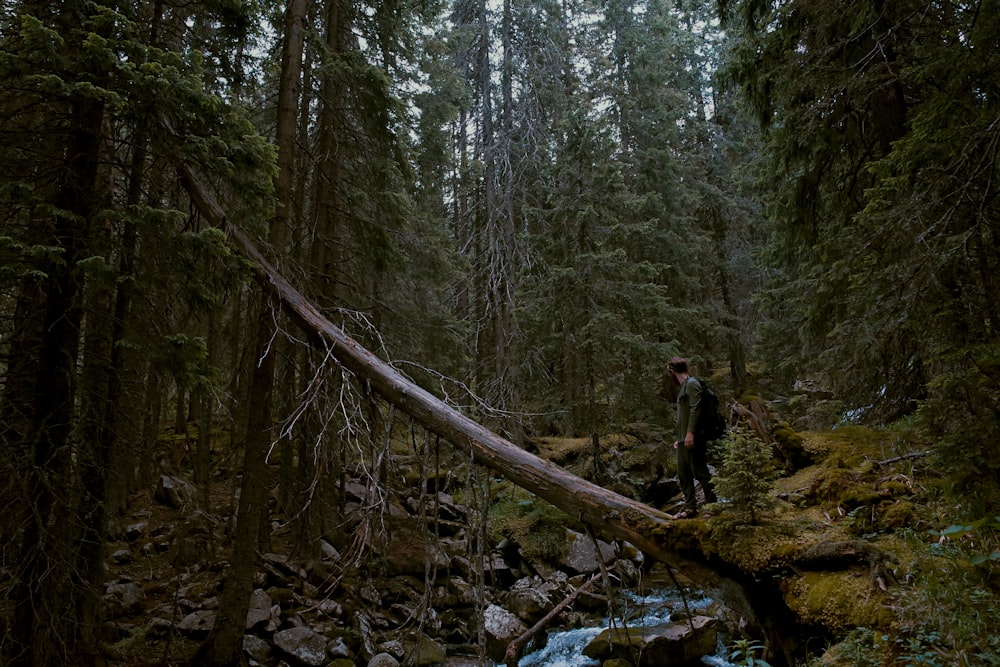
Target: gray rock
[(383, 660), (134, 531), (174, 492), (665, 645), (197, 624), (122, 556), (424, 652), (336, 648), (302, 644), (502, 627), (257, 649), (581, 557), (528, 600), (121, 599), (259, 612)]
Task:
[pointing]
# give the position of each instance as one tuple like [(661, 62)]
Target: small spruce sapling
[(745, 476)]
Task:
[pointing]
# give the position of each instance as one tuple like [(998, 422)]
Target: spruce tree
[(744, 481)]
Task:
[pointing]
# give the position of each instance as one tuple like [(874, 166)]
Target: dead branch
[(513, 653)]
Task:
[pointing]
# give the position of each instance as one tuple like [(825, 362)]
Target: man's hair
[(677, 365)]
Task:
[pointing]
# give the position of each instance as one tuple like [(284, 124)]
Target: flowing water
[(564, 648)]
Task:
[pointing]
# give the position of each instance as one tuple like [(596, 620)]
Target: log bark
[(605, 511)]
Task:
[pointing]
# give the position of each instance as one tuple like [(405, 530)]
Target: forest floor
[(939, 582)]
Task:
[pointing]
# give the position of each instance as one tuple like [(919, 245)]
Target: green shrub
[(744, 479)]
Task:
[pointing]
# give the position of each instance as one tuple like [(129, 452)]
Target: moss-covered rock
[(897, 515), (837, 601)]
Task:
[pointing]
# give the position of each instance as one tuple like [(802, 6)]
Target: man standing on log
[(692, 452)]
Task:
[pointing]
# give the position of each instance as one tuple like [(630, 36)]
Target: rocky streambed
[(421, 595), (416, 577)]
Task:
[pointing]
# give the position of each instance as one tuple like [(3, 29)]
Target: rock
[(329, 551), (581, 557), (499, 573), (194, 541), (407, 550), (174, 492), (617, 662), (122, 599), (665, 645), (302, 644), (259, 612), (393, 647), (336, 648), (257, 650), (502, 627), (197, 624), (122, 557), (158, 628), (134, 531), (424, 652), (383, 660), (528, 600)]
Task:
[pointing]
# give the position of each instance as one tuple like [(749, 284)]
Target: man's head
[(677, 366)]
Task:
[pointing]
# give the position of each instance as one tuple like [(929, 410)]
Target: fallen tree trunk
[(605, 511)]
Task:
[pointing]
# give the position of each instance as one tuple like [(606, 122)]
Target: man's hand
[(689, 440)]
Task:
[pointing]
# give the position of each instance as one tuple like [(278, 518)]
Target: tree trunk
[(225, 642), (45, 625)]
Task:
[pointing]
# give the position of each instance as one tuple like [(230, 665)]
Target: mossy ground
[(914, 589)]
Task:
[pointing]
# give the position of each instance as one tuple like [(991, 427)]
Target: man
[(692, 453)]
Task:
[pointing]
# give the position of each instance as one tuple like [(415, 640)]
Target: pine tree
[(744, 478)]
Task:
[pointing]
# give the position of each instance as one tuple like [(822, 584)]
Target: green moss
[(754, 549), (897, 515), (894, 488), (832, 483), (785, 434), (838, 601), (858, 495), (538, 528)]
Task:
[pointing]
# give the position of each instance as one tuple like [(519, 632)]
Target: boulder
[(174, 492), (259, 612), (197, 624), (581, 557), (422, 651), (257, 650), (302, 644), (528, 599), (664, 645), (122, 599), (502, 627)]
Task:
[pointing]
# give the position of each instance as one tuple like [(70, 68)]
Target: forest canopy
[(525, 207)]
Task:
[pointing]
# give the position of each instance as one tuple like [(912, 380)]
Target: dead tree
[(608, 512)]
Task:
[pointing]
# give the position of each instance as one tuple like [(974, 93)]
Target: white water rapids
[(564, 648)]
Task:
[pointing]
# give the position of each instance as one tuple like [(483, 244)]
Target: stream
[(565, 647)]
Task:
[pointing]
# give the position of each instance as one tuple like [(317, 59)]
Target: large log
[(605, 511)]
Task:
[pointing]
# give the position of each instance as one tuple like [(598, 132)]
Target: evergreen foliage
[(527, 206), (744, 481), (882, 200)]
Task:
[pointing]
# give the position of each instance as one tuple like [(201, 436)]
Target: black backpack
[(711, 424)]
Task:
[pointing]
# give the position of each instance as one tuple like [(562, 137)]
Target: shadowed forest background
[(525, 207)]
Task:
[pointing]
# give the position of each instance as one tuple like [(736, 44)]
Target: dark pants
[(692, 464)]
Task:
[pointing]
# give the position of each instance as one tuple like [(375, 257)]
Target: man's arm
[(694, 403)]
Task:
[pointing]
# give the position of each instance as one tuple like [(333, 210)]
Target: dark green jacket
[(688, 407)]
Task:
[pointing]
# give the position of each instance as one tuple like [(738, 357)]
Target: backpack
[(711, 423)]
